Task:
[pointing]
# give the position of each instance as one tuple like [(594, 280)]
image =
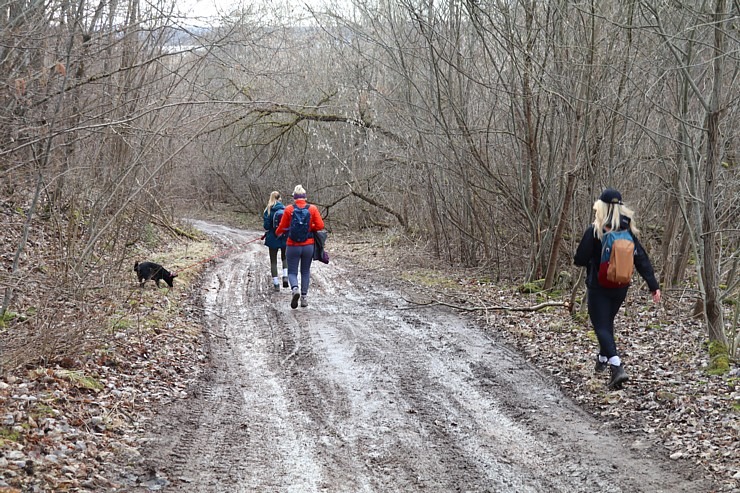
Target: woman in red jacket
[(300, 220)]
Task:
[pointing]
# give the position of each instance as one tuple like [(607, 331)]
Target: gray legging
[(273, 260), (302, 255)]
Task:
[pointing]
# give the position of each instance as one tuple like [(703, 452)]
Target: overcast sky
[(204, 8), (212, 8)]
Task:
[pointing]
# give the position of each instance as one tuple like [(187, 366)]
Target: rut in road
[(362, 392)]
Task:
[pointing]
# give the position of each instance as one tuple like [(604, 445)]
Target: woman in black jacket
[(604, 303), (275, 243)]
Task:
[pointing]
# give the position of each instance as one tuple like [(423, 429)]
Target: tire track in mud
[(360, 393)]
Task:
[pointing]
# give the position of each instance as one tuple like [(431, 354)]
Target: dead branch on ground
[(534, 308)]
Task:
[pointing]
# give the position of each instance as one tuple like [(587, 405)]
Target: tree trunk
[(669, 234), (570, 186), (710, 272), (712, 305), (682, 259)]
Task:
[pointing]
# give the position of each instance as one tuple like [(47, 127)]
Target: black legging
[(273, 260), (603, 305)]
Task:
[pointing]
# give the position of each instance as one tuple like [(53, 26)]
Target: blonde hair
[(274, 199), (299, 190), (608, 215)]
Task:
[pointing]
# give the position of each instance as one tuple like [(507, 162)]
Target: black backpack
[(299, 224), (276, 218)]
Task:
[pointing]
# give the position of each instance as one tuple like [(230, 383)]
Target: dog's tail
[(136, 266)]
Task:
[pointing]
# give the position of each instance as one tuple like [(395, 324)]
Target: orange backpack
[(617, 259)]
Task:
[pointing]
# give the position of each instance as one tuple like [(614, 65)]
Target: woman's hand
[(656, 296)]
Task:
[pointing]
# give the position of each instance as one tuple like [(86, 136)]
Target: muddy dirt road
[(363, 392)]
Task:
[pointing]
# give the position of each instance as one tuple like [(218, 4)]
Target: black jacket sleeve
[(644, 266)]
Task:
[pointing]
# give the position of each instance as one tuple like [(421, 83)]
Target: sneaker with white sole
[(276, 287), (304, 301)]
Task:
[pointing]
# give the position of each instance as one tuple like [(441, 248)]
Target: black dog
[(149, 271)]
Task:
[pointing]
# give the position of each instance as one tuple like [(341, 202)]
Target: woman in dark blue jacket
[(272, 241), (603, 302)]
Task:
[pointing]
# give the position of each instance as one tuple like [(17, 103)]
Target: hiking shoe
[(304, 301), (294, 300), (600, 366), (285, 282), (618, 377), (276, 287)]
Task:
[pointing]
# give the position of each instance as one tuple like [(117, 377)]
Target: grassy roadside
[(73, 422)]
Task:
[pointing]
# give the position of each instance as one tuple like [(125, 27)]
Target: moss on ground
[(719, 358)]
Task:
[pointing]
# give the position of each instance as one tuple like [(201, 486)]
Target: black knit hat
[(611, 196)]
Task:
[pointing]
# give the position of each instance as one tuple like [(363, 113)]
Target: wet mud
[(364, 392)]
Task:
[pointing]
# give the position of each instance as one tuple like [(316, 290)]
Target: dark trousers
[(603, 305), (300, 257), (274, 260)]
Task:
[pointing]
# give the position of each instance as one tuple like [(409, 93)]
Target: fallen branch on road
[(534, 308)]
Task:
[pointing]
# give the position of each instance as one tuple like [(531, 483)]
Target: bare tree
[(482, 130), (700, 198)]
